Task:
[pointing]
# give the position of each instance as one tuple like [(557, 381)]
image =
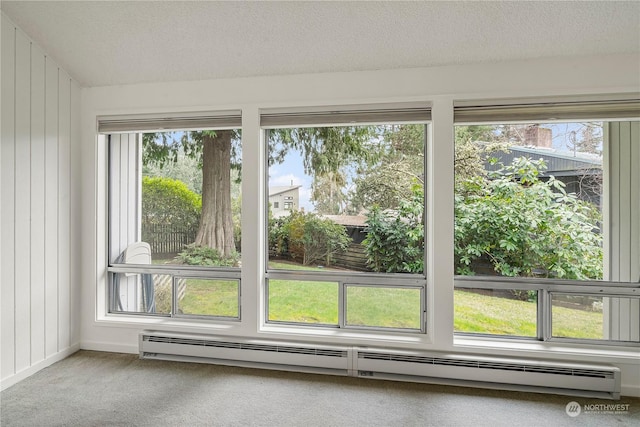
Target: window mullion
[(544, 315), (342, 304)]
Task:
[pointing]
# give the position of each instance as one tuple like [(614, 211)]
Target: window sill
[(346, 336), (172, 323), (417, 342), (550, 350)]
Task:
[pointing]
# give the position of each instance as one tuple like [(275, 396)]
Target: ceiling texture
[(102, 43)]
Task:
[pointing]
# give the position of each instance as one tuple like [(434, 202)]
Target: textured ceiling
[(110, 43)]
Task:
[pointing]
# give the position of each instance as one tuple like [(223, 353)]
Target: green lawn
[(502, 316), (316, 302), (211, 297), (491, 315)]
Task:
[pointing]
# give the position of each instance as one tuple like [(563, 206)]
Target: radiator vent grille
[(246, 346), (519, 367)]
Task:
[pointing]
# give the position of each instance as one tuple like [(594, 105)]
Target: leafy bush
[(511, 221), (307, 237), (169, 201), (163, 298), (524, 226), (395, 238), (204, 255)]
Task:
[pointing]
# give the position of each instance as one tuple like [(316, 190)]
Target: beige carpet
[(109, 389)]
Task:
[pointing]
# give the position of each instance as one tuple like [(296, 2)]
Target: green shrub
[(395, 238), (168, 201), (278, 235), (307, 237), (163, 298), (511, 221), (204, 255), (524, 226)]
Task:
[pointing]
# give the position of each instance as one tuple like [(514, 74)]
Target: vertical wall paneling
[(124, 196), (51, 207), (132, 205), (7, 205), (114, 200), (75, 217), (22, 279), (624, 166), (38, 288), (610, 306), (634, 206), (123, 182), (132, 171), (124, 185), (622, 316), (64, 209), (625, 220), (38, 272), (123, 189)]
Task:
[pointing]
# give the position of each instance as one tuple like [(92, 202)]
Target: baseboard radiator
[(574, 379)]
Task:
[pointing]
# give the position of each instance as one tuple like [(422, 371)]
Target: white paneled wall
[(124, 165), (38, 243), (623, 315)]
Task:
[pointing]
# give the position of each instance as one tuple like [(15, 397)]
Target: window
[(533, 201), (522, 192), (174, 203), (546, 231), (349, 249)]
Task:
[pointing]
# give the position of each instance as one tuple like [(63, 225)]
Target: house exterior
[(581, 174), (284, 199)]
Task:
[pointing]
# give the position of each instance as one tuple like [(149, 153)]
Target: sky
[(291, 172), (291, 169)]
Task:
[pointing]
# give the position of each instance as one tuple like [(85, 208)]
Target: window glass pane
[(595, 317), (383, 307), (348, 197), (302, 301), (207, 297), (528, 200), (496, 312), (141, 293), (190, 197)]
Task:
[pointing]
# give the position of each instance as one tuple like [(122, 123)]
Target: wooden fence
[(168, 239), (353, 258)]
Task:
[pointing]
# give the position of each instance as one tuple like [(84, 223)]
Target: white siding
[(22, 174), (51, 258), (623, 315), (38, 279), (36, 266), (7, 207), (124, 189)]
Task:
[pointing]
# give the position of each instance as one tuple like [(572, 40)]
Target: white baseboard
[(109, 347), (627, 390), (630, 390), (16, 378)]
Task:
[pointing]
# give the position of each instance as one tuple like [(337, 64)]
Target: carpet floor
[(109, 389)]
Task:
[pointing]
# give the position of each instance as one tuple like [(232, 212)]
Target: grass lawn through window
[(316, 302)]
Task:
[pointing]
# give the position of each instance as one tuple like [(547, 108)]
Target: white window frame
[(439, 264), (414, 113), (620, 330), (135, 126)]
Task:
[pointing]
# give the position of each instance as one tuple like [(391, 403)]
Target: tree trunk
[(216, 223)]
